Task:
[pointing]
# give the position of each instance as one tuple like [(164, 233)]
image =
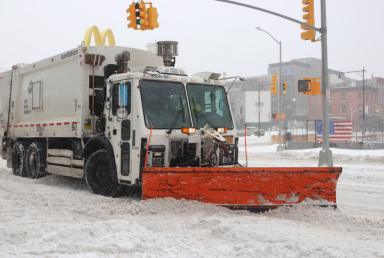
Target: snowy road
[(57, 216)]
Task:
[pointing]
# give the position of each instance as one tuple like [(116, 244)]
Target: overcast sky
[(213, 36)]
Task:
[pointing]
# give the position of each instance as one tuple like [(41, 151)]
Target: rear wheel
[(18, 160), (100, 174), (35, 162)]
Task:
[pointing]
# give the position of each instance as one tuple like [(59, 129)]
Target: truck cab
[(160, 117)]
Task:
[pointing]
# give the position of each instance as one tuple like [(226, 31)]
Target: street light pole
[(280, 147), (363, 129), (259, 111)]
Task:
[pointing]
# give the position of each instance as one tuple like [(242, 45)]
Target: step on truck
[(122, 117)]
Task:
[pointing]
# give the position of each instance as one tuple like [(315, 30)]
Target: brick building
[(347, 102)]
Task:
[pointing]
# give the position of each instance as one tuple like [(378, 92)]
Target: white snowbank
[(58, 217), (258, 148)]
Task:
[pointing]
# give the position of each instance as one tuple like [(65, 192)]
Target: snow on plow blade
[(240, 187)]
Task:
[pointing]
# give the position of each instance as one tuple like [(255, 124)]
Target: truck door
[(120, 131)]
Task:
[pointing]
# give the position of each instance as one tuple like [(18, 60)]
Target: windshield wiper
[(199, 113), (181, 111)]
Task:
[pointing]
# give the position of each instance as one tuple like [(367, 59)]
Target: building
[(347, 103), (346, 95), (251, 102), (299, 107)]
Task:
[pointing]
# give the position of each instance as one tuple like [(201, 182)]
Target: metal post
[(325, 156), (363, 128), (259, 111), (279, 98)]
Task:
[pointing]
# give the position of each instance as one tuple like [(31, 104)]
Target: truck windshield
[(164, 105), (209, 105)]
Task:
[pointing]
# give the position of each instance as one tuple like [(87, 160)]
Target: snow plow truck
[(123, 117)]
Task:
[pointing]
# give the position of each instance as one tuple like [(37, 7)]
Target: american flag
[(339, 130)]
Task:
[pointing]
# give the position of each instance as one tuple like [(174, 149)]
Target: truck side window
[(116, 96)]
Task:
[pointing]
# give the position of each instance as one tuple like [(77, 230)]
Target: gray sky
[(213, 36)]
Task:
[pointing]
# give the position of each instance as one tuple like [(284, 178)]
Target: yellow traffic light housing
[(309, 86), (285, 87), (274, 84), (309, 18), (132, 16), (152, 17), (142, 18)]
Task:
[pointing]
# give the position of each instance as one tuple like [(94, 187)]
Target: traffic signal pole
[(280, 147), (325, 156)]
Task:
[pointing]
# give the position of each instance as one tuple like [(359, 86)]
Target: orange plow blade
[(240, 187)]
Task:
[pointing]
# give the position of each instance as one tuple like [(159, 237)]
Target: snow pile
[(58, 216), (258, 149)]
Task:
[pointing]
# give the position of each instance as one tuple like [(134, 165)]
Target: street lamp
[(279, 97), (242, 79)]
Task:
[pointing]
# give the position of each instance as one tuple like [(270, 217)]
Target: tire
[(100, 174), (35, 161), (18, 160)]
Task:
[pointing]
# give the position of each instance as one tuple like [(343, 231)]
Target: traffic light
[(132, 16), (152, 16), (142, 18), (274, 84), (309, 86), (285, 87), (304, 86), (309, 18)]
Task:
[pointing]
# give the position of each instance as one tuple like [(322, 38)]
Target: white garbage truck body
[(63, 114)]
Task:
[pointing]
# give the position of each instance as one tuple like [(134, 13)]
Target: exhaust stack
[(122, 61)]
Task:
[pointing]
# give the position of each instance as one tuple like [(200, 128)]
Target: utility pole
[(362, 125), (363, 129), (259, 111)]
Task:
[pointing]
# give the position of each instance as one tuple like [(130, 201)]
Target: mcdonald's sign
[(100, 38)]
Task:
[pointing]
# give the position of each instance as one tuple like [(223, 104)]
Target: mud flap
[(239, 187)]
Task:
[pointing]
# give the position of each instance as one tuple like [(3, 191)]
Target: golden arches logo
[(100, 38)]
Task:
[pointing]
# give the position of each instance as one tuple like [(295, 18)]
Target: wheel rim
[(102, 174), (34, 165), (18, 163)]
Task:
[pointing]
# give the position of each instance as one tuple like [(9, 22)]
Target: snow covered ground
[(57, 216)]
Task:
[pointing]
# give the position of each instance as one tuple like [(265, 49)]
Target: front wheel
[(100, 174), (35, 162)]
